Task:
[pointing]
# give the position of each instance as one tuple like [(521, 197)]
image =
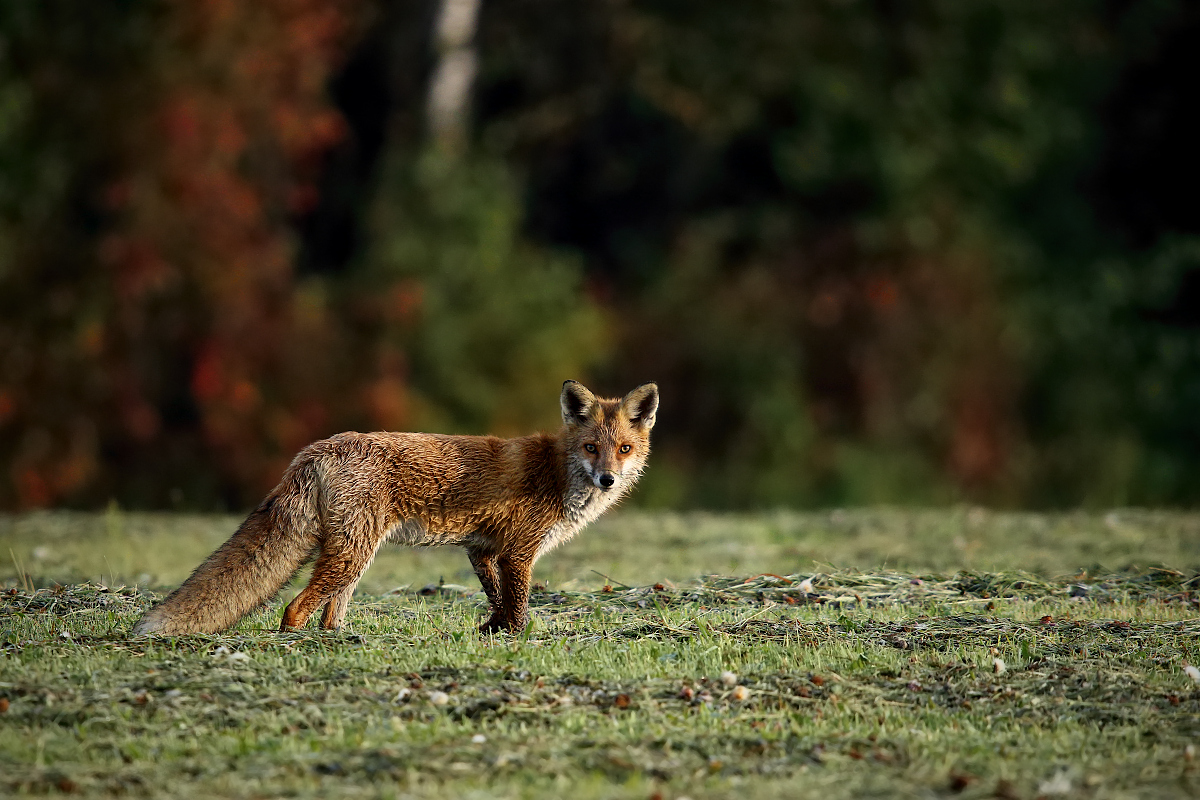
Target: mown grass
[(997, 668), (639, 548)]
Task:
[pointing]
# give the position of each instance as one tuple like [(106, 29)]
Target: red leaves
[(182, 303), (882, 292), (207, 375), (224, 154), (388, 402), (8, 405)]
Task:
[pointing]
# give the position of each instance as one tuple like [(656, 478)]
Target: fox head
[(608, 440)]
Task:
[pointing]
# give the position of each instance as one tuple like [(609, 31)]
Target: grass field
[(887, 653)]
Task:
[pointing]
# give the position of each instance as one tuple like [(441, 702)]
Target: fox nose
[(607, 480)]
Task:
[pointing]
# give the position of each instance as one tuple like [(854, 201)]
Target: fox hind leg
[(339, 567), (332, 584), (335, 610), (321, 587)]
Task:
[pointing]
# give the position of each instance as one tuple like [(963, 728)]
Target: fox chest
[(579, 510)]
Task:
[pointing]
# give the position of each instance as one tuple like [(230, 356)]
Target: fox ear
[(576, 402), (641, 405)]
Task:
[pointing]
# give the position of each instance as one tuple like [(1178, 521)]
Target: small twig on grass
[(612, 580), (22, 575)]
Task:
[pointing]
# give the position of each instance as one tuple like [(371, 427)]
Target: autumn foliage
[(186, 336), (872, 253)]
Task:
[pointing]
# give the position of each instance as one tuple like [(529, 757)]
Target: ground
[(829, 655)]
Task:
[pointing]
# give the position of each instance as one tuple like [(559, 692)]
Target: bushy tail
[(275, 541)]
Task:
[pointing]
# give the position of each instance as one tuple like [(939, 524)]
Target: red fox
[(507, 501)]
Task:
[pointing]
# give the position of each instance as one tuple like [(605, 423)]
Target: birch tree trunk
[(450, 88)]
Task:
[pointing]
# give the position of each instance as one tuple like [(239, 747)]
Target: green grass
[(880, 677), (638, 548)]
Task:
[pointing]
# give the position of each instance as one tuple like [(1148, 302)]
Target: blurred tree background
[(873, 251)]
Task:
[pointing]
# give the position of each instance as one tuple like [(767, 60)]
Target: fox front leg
[(489, 578), (516, 573)]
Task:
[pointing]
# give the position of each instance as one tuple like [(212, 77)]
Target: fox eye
[(591, 448), (625, 448)]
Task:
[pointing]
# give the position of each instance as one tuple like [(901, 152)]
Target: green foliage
[(493, 324), (1113, 391), (877, 223)]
